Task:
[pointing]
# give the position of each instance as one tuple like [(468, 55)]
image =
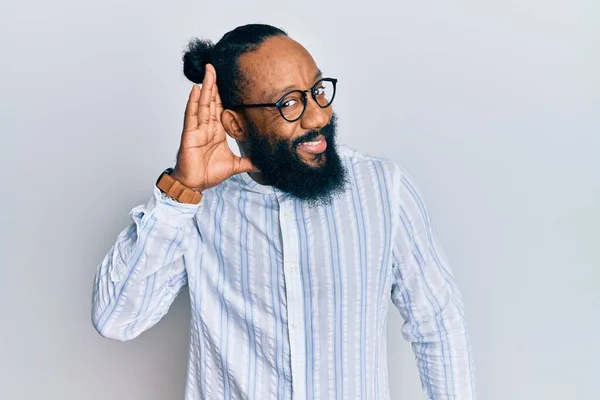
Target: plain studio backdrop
[(493, 106)]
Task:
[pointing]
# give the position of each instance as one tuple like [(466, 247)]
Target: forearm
[(443, 354)]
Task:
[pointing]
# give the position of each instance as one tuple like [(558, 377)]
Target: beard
[(281, 166)]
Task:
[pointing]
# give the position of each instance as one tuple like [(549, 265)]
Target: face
[(282, 166), (297, 157)]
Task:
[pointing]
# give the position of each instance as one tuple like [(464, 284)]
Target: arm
[(144, 271), (425, 293)]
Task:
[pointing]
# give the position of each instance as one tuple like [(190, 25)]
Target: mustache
[(328, 131)]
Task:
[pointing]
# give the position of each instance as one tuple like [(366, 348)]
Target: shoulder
[(392, 170), (399, 183)]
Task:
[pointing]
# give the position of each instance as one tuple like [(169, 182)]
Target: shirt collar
[(245, 181)]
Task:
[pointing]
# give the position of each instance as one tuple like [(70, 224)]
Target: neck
[(256, 176)]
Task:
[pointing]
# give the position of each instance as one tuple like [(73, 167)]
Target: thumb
[(243, 164)]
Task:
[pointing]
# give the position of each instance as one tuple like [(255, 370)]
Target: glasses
[(292, 105)]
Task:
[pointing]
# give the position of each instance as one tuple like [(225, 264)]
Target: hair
[(225, 56)]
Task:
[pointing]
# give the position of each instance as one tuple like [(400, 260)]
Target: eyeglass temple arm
[(252, 105)]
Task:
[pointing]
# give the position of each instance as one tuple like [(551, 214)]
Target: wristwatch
[(176, 190)]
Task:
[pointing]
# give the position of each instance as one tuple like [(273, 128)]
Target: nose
[(314, 117)]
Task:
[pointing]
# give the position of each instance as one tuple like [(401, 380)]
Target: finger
[(218, 103), (190, 121), (213, 104), (243, 164), (205, 95)]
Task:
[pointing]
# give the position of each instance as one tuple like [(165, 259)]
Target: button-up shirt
[(289, 300)]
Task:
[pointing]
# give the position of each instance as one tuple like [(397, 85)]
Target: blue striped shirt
[(290, 301)]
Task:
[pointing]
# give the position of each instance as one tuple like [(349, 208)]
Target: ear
[(234, 125)]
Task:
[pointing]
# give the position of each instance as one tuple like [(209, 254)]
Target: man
[(291, 250)]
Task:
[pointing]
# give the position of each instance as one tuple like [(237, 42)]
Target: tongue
[(314, 148)]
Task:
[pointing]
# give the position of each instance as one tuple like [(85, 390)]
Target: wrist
[(177, 190), (175, 174)]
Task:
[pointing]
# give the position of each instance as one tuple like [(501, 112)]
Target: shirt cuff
[(166, 210)]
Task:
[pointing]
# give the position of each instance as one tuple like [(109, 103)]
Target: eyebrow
[(289, 88)]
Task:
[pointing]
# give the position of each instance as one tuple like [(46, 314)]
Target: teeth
[(312, 143)]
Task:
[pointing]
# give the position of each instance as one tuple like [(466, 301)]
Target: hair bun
[(197, 55)]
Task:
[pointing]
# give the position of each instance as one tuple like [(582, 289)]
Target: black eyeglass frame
[(279, 102)]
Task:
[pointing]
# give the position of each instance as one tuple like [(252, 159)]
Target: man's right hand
[(205, 159)]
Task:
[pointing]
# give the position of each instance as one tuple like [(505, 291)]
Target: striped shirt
[(289, 301)]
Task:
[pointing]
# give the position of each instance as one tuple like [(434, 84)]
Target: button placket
[(293, 284)]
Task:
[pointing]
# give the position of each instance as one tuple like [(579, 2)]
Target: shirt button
[(294, 325), (293, 268), (287, 216)]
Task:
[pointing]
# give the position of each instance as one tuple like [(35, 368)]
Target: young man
[(291, 251)]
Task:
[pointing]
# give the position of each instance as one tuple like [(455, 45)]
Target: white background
[(492, 105)]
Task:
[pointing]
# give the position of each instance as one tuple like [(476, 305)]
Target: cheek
[(329, 113), (283, 129)]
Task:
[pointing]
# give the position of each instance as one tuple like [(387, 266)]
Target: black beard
[(282, 167)]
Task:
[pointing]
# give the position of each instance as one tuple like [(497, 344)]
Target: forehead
[(278, 63)]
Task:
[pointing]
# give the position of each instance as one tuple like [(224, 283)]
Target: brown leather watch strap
[(178, 191)]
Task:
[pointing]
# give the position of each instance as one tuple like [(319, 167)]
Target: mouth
[(316, 146)]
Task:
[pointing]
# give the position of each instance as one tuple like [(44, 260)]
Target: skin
[(279, 65)]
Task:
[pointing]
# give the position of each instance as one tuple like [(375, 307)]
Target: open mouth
[(316, 146)]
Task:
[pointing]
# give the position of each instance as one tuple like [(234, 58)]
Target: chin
[(313, 160)]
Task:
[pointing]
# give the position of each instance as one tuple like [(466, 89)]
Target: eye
[(319, 91), (289, 103)]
